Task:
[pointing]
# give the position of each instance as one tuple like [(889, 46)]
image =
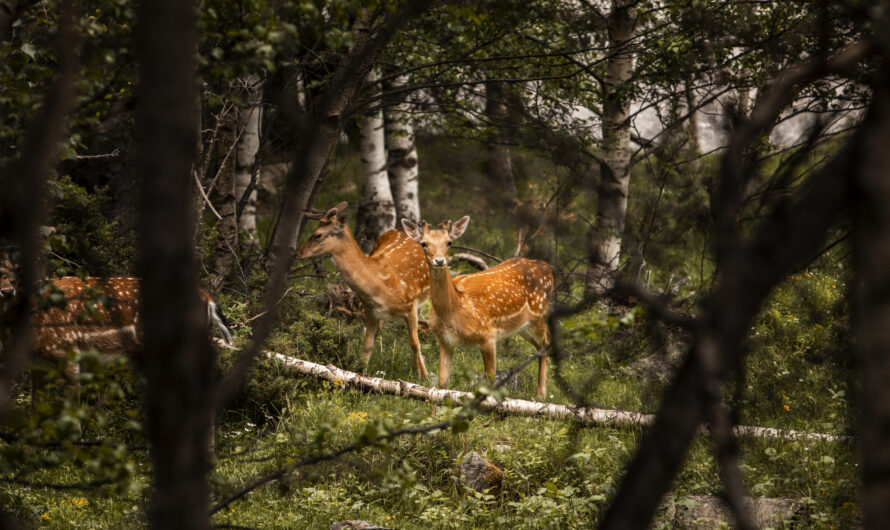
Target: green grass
[(797, 375), (557, 474)]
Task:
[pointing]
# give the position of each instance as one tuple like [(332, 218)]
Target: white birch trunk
[(605, 245), (249, 123), (402, 154), (376, 209), (589, 415)]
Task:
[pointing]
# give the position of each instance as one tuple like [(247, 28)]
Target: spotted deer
[(392, 282), (76, 314), (481, 308)]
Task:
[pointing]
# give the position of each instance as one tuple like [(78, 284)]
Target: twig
[(251, 319), (477, 262), (204, 195), (658, 305), (112, 154), (480, 252)]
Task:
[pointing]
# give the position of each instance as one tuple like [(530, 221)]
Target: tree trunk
[(605, 241), (871, 316), (23, 200), (222, 196), (376, 209), (177, 359), (250, 118), (500, 167), (402, 153)]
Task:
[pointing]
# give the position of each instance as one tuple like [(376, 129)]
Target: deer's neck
[(356, 268), (443, 295)]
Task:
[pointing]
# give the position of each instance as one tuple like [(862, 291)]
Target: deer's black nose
[(7, 293)]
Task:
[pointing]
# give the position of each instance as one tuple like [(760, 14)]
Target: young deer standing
[(479, 309), (99, 313), (391, 283)]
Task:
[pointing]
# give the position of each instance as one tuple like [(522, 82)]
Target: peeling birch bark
[(249, 123), (376, 212)]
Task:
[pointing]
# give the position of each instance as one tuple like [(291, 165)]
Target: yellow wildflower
[(787, 408), (46, 517), (357, 416)]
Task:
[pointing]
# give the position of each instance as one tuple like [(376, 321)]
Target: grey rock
[(480, 474)]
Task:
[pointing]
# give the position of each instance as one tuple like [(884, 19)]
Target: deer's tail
[(215, 315)]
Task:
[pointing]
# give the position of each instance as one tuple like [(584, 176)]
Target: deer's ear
[(413, 230), (459, 227)]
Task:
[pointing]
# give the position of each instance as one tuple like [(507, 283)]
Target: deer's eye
[(423, 244), (449, 243), (315, 236)]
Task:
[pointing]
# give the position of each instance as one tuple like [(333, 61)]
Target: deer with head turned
[(392, 282), (74, 314), (479, 309)]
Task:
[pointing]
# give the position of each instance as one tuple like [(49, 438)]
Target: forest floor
[(557, 473)]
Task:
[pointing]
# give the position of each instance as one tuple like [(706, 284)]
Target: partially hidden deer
[(91, 313), (392, 282), (481, 308)]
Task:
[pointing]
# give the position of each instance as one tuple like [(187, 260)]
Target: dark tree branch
[(735, 169), (22, 196), (748, 275)]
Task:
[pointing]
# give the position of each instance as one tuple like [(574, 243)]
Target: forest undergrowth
[(797, 375)]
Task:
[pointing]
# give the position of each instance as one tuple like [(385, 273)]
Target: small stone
[(480, 474)]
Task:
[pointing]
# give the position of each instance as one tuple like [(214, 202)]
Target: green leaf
[(29, 50), (460, 425)]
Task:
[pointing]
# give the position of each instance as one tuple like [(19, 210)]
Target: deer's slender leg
[(542, 377), (539, 336), (411, 320), (489, 358), (445, 353), (372, 324)]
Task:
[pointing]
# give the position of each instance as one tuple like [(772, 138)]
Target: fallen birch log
[(589, 415)]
